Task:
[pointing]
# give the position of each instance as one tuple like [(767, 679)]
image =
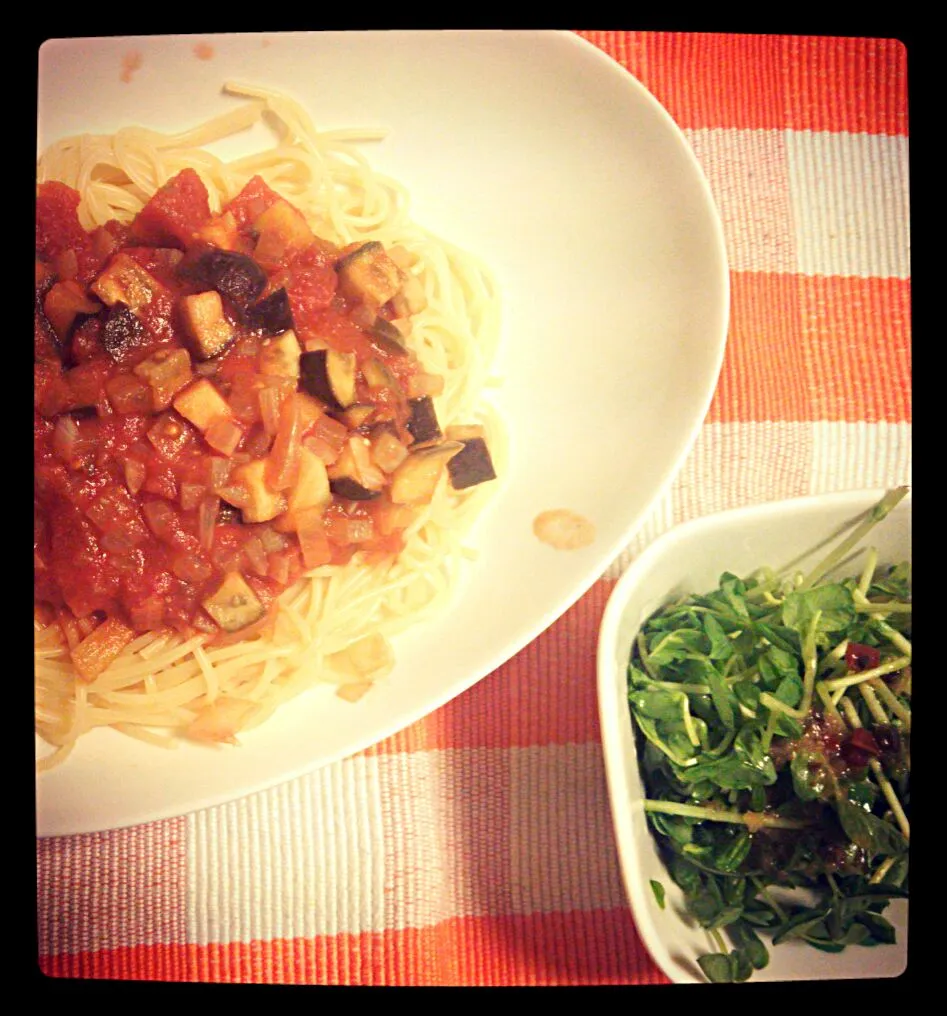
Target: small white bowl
[(690, 559)]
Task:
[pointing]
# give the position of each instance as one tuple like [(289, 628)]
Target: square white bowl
[(690, 559)]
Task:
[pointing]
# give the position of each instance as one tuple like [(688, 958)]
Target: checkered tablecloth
[(475, 847)]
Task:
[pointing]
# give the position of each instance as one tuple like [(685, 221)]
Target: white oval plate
[(690, 558), (553, 164)]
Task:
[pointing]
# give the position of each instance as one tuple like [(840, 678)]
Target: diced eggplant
[(123, 332), (279, 356), (377, 375), (281, 230), (167, 371), (357, 416), (202, 404), (387, 451), (369, 274), (263, 504), (209, 331), (330, 376), (415, 480), (422, 424), (236, 276), (129, 394), (46, 344), (125, 281), (411, 299), (471, 465), (351, 490), (64, 303), (353, 475), (386, 337), (220, 231), (312, 484), (234, 605), (273, 314)]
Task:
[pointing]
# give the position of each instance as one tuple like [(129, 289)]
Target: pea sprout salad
[(773, 720)]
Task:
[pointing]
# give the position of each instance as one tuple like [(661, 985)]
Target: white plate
[(691, 558), (553, 164)]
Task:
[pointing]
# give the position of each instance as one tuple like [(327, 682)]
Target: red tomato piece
[(175, 213), (251, 202)]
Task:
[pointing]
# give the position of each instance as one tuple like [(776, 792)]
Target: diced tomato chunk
[(251, 202), (58, 230), (175, 213), (57, 220), (313, 282)]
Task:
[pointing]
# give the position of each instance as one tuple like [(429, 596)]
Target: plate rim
[(718, 330)]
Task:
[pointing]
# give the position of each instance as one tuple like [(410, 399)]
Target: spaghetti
[(333, 623)]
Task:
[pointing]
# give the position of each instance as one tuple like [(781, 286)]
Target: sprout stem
[(884, 783), (876, 515), (874, 706), (888, 667), (864, 583), (894, 704), (883, 870), (827, 702), (752, 820)]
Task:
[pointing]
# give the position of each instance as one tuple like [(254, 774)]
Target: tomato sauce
[(138, 512)]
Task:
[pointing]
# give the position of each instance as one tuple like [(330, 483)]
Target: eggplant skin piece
[(330, 376), (416, 479), (471, 465), (350, 489), (234, 275), (272, 315), (123, 331), (234, 605), (387, 338), (422, 424), (46, 344)]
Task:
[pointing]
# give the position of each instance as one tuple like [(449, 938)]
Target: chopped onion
[(343, 530), (162, 520), (67, 264), (135, 473), (272, 540), (332, 431), (207, 512), (191, 569), (235, 494), (258, 443), (271, 400), (66, 438), (371, 655), (402, 257), (279, 567), (363, 315), (256, 555), (116, 542), (387, 451), (224, 435), (191, 494), (321, 449), (282, 466), (425, 384), (218, 471), (147, 615), (352, 691), (220, 721)]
